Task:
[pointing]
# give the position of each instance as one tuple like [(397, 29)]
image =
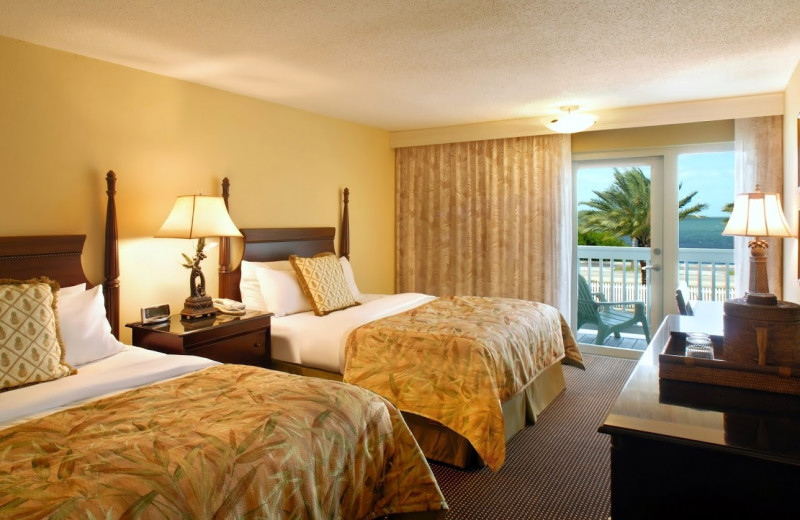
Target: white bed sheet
[(319, 341), (131, 368)]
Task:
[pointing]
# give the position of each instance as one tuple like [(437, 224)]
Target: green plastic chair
[(609, 318), (684, 306)]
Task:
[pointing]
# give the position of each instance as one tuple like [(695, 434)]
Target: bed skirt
[(441, 444), (300, 370)]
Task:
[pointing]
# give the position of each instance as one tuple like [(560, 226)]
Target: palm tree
[(623, 209), (727, 208)]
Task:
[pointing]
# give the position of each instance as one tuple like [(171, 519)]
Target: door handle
[(653, 267)]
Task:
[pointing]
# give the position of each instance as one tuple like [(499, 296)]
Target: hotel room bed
[(466, 372), (134, 433)]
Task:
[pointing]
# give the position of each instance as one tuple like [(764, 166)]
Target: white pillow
[(72, 289), (84, 328), (281, 292), (251, 295), (249, 268), (350, 277), (249, 286)]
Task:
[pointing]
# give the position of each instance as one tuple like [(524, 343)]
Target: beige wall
[(791, 197), (69, 119), (653, 136)]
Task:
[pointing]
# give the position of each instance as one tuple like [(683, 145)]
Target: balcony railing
[(616, 272)]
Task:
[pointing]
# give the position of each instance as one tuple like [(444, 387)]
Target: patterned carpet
[(556, 469)]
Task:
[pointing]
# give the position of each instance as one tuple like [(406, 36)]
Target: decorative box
[(763, 334)]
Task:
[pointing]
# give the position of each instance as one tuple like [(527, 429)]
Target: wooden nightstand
[(244, 340)]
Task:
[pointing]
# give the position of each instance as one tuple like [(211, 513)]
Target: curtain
[(486, 218), (759, 160)]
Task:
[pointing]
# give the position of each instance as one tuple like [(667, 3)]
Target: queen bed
[(466, 372), (93, 428)]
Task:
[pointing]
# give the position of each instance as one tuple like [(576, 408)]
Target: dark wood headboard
[(271, 244), (59, 257)]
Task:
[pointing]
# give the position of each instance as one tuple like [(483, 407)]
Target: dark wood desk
[(688, 450)]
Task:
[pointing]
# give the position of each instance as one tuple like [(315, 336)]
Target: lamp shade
[(757, 214), (570, 122), (197, 216)]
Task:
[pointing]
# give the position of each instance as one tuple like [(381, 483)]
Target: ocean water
[(703, 232)]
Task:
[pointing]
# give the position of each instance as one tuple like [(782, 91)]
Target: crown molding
[(611, 119)]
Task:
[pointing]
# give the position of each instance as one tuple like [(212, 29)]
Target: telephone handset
[(226, 306)]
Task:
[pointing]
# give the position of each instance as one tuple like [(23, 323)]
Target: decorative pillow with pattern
[(323, 282), (31, 350)]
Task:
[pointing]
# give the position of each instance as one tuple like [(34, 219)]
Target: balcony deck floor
[(626, 340)]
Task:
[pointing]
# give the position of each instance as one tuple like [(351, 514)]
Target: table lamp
[(758, 214), (200, 217)]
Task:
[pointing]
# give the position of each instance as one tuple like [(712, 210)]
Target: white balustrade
[(616, 272)]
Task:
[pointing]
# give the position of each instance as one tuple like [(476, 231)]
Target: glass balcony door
[(619, 251), (690, 188)]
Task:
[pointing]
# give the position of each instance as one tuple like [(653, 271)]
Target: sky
[(710, 174)]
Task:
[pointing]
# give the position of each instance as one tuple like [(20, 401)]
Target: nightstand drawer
[(244, 340), (247, 349)]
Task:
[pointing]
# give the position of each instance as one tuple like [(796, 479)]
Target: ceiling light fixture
[(570, 122)]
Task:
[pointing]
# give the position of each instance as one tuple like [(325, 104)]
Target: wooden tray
[(674, 365)]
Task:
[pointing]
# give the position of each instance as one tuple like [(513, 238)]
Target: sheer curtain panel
[(486, 218), (759, 160)]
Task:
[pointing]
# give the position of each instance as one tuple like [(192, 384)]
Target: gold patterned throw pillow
[(31, 350), (323, 283)]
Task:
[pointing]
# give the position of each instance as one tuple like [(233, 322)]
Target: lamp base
[(755, 298), (198, 307), (759, 282)]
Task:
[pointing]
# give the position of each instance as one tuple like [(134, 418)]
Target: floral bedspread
[(456, 359), (229, 441)]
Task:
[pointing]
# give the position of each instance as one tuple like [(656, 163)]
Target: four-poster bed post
[(111, 272), (344, 237), (225, 247)]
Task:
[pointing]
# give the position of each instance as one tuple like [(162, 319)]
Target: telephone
[(226, 306)]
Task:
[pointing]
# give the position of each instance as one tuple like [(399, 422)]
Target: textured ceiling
[(412, 64)]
